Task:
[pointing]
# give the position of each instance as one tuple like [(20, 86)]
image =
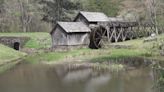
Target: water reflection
[(67, 78)]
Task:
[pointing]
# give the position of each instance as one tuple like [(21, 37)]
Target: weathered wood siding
[(78, 39), (59, 37)]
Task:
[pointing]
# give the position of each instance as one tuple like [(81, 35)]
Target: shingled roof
[(94, 16), (73, 27), (116, 19)]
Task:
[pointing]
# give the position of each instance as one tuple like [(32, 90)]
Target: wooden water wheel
[(99, 37)]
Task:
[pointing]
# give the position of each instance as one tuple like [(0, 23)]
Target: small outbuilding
[(91, 17), (70, 34)]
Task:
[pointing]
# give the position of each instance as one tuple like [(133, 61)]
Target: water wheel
[(99, 37)]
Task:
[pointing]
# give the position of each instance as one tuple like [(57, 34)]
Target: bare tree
[(25, 17), (152, 6)]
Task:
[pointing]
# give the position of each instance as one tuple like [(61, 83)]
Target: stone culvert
[(14, 42)]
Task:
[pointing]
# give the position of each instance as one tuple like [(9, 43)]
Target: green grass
[(38, 39), (116, 54), (151, 48), (138, 50), (134, 43), (137, 43), (7, 54), (86, 54), (56, 56)]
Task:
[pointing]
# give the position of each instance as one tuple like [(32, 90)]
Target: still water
[(67, 78)]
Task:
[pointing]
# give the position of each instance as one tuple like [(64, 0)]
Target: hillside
[(7, 54)]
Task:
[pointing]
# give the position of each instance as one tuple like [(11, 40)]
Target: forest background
[(41, 15)]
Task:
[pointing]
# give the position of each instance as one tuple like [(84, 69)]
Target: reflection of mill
[(92, 78), (79, 72), (95, 79)]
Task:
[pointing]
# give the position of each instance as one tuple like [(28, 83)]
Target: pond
[(69, 78)]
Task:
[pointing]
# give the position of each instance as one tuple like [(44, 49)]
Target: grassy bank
[(38, 39), (43, 40), (8, 66), (85, 55), (116, 54), (8, 57), (8, 54), (139, 48), (139, 43)]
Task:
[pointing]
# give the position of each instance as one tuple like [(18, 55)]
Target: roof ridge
[(94, 16), (71, 27)]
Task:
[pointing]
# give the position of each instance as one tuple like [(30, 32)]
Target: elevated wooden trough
[(115, 31)]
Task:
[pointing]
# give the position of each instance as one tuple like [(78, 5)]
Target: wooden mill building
[(70, 34), (95, 29), (91, 17)]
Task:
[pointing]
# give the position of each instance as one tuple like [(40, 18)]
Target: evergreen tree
[(58, 10)]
